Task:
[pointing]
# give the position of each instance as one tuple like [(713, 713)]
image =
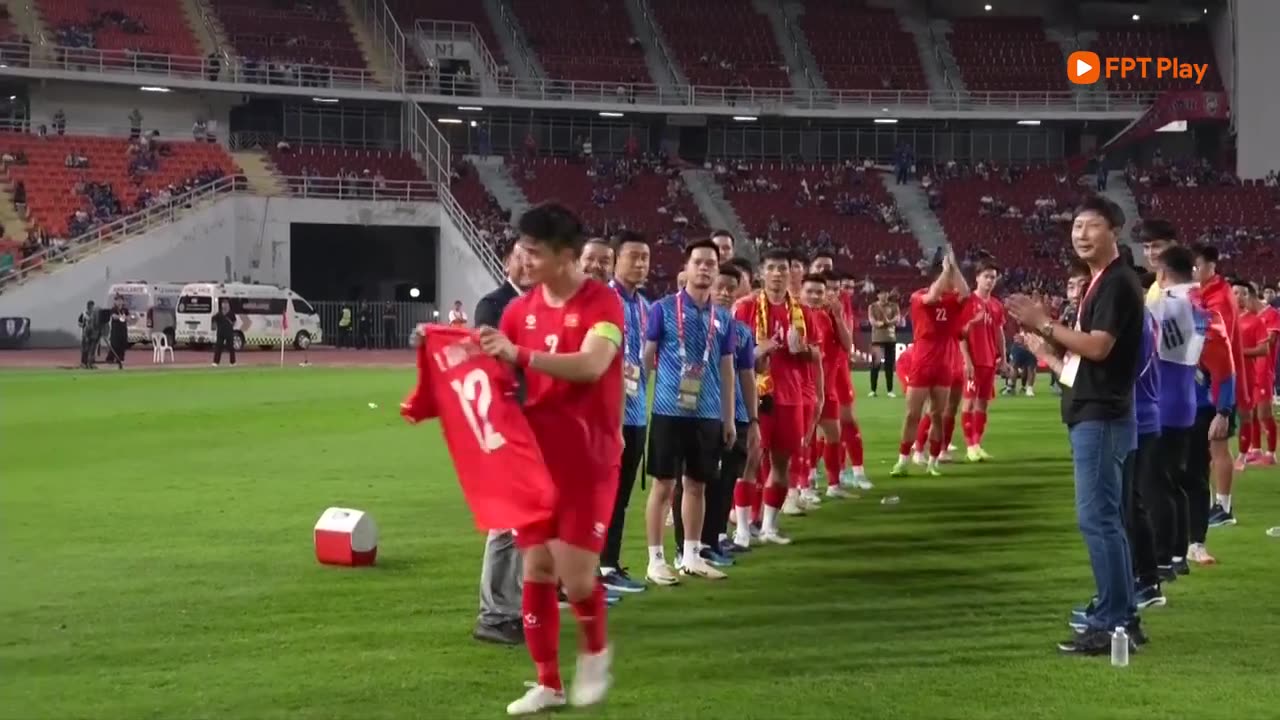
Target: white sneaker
[(773, 536), (893, 395), (836, 492), (918, 458), (1199, 554), (809, 498), (871, 394), (661, 573), (1031, 392), (742, 538), (213, 365), (860, 481), (700, 568), (791, 506), (952, 447), (945, 456), (592, 680), (537, 699)]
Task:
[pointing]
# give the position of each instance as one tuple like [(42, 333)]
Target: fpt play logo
[(1086, 68)]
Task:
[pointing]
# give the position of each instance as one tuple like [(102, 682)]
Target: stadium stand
[(724, 43), (604, 51), (143, 26), (390, 170), (317, 32), (1006, 54), (408, 12), (859, 47), (122, 171)]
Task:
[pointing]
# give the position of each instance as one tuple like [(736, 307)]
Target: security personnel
[(90, 331), (344, 327), (224, 323)]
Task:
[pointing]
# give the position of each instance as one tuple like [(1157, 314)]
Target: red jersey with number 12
[(484, 428), (586, 416), (935, 329)]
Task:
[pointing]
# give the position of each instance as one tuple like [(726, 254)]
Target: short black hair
[(823, 254), (598, 241), (834, 275), (777, 255), (985, 264), (627, 237), (1249, 287), (1077, 268), (730, 270), (797, 256), (1157, 230), (744, 265), (1205, 252), (1104, 207), (699, 245), (1178, 262), (554, 225), (820, 278), (723, 233)]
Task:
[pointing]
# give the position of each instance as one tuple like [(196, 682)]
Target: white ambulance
[(152, 307), (266, 315)]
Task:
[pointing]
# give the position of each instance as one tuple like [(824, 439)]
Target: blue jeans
[(1098, 450)]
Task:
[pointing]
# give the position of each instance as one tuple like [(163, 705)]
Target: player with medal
[(689, 344)]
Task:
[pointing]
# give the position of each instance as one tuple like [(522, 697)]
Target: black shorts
[(684, 447), (1021, 357), (734, 460)]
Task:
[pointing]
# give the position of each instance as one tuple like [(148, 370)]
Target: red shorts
[(983, 384), (810, 411), (931, 377), (586, 494), (782, 429)]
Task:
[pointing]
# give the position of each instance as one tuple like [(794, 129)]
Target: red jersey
[(787, 370), (983, 338), (1271, 321), (820, 332), (1252, 334), (906, 362), (590, 413), (1217, 298), (484, 428), (834, 357), (935, 329)]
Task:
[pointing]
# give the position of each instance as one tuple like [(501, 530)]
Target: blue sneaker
[(731, 549), (1080, 616), (619, 582), (611, 598), (715, 559), (1149, 596), (1220, 517)]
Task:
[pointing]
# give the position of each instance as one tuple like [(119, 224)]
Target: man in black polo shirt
[(1097, 362)]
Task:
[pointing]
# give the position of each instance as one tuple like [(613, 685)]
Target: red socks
[(744, 494), (592, 618), (904, 448), (831, 457), (774, 496), (979, 425), (1246, 437), (948, 430), (967, 424), (542, 630), (1269, 422), (922, 432), (851, 438)]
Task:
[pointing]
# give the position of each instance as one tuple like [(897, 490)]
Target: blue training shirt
[(1183, 327), (635, 313), (1146, 392), (665, 330), (744, 358)]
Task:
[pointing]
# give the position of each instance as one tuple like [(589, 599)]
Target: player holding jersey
[(935, 317), (983, 351), (566, 335)]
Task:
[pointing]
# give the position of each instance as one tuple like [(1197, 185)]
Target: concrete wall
[(1257, 104), (106, 108), (240, 238)]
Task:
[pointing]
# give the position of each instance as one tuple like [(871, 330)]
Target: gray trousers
[(500, 580)]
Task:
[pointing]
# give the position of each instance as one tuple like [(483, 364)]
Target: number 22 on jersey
[(476, 396)]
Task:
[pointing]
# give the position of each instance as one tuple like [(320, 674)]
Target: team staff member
[(689, 344), (1097, 365), (884, 315), (499, 619), (597, 259), (629, 275), (224, 324)]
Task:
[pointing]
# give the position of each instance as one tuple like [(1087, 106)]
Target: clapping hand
[(1027, 312)]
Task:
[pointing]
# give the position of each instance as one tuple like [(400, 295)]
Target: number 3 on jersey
[(474, 389)]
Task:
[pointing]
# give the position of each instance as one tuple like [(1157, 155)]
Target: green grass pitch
[(155, 541)]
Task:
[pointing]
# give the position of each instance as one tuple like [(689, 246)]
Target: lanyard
[(711, 330), (635, 318), (1088, 292)]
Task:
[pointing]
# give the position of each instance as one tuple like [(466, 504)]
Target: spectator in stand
[(60, 122)]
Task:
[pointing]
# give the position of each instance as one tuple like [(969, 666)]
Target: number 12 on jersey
[(476, 396)]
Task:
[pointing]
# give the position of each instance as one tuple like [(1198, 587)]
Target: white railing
[(385, 32), (313, 187), (659, 41), (96, 239), (428, 146), (145, 66), (450, 30)]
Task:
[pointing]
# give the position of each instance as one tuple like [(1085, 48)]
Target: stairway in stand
[(15, 225), (374, 48), (260, 173)]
